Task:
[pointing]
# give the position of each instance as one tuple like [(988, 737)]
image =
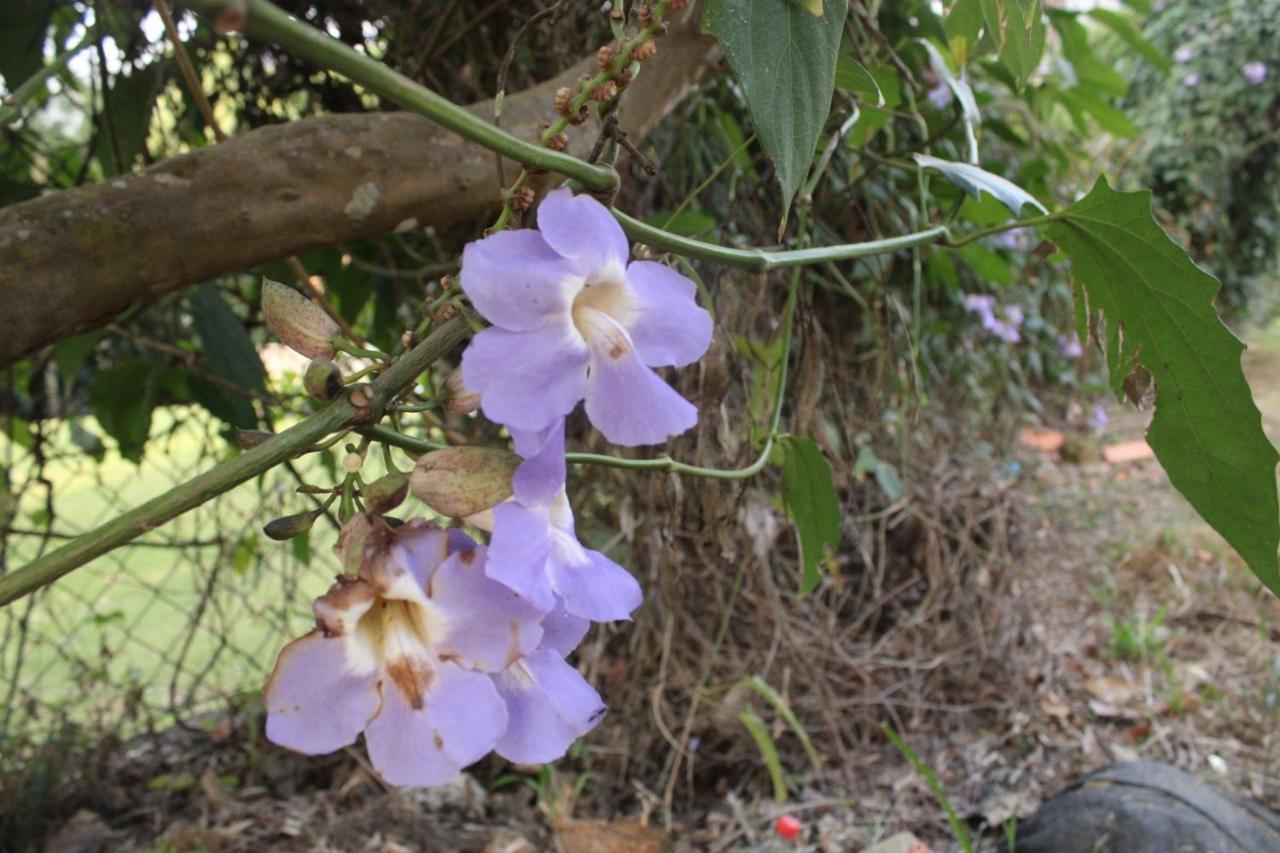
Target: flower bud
[(644, 50), (289, 526), (458, 400), (251, 438), (352, 462), (322, 380), (606, 91), (604, 57), (385, 493), (462, 481), (558, 141), (297, 321), (562, 98)]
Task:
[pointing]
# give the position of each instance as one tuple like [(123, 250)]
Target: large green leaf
[(786, 60), (123, 398), (1016, 27), (1123, 27), (811, 501), (23, 27), (229, 354), (126, 120), (1158, 307)]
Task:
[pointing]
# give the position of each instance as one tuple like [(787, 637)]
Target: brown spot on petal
[(412, 676), (347, 593), (513, 651), (435, 736), (468, 556), (617, 351)]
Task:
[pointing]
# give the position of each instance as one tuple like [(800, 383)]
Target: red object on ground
[(787, 827)]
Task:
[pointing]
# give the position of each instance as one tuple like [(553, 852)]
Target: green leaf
[(23, 26), (123, 398), (811, 500), (853, 76), (768, 751), (766, 691), (70, 354), (124, 124), (1206, 431), (228, 353), (1091, 72), (975, 181), (1108, 117), (1124, 29), (786, 60), (1016, 27)]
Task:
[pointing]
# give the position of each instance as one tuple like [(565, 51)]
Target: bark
[(72, 260)]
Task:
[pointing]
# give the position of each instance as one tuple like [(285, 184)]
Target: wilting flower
[(1254, 72), (418, 652), (572, 320), (534, 549)]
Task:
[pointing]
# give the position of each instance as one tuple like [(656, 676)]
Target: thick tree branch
[(71, 261)]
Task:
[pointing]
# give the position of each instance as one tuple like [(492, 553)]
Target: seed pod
[(385, 493), (462, 481), (297, 321), (251, 438), (289, 526), (323, 380)]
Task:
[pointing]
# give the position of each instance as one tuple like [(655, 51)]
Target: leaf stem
[(266, 22)]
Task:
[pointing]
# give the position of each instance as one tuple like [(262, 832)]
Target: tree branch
[(72, 260)]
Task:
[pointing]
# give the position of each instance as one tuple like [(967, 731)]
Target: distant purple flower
[(1014, 240), (939, 96), (1183, 54), (1255, 72), (1191, 80), (405, 653), (1097, 419), (1002, 321), (1069, 346), (534, 549), (572, 320)]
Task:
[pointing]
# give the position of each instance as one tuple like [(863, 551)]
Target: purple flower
[(1184, 53), (1191, 80), (1255, 72), (572, 320), (1005, 326), (939, 96), (1097, 419), (534, 549), (1069, 346), (406, 653)]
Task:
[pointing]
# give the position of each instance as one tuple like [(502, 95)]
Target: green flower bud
[(289, 526), (323, 380), (297, 321), (385, 493), (461, 481)]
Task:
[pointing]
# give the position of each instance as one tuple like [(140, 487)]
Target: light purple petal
[(460, 720), (562, 632), (518, 552), (670, 329), (593, 586), (486, 625), (526, 380), (412, 555), (549, 706), (318, 701), (543, 473), (581, 228), (631, 404), (516, 281)]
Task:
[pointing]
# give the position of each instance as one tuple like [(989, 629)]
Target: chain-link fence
[(183, 620)]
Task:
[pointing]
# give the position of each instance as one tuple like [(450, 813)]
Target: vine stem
[(265, 21), (223, 477)]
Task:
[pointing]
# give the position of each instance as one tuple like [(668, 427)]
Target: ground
[(1142, 635)]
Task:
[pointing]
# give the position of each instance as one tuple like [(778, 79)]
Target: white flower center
[(399, 634), (601, 311)]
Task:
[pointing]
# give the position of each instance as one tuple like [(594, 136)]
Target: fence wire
[(186, 620)]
